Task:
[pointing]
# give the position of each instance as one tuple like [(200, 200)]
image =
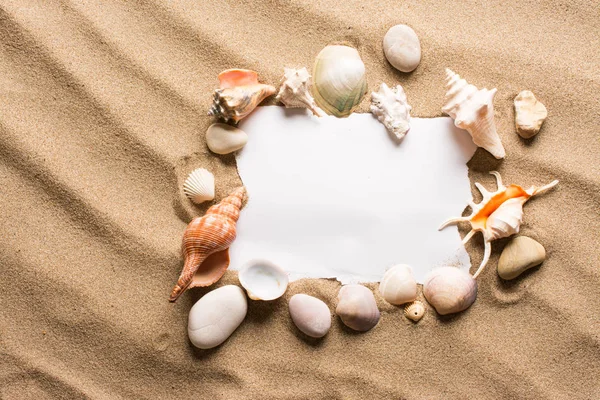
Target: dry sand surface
[(102, 115)]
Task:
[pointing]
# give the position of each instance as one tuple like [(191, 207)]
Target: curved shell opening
[(263, 280), (479, 220)]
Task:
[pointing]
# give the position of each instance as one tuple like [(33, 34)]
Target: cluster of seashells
[(336, 87)]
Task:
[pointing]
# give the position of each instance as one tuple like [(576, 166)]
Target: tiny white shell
[(414, 311), (391, 109), (263, 280), (216, 315), (398, 285), (199, 186)]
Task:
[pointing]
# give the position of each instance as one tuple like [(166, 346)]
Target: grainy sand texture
[(103, 114)]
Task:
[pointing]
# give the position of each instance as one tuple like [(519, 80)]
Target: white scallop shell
[(398, 285), (339, 81), (391, 109), (263, 280), (199, 186), (473, 110), (294, 93)]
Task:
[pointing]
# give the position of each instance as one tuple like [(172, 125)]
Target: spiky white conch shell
[(199, 186), (473, 110), (294, 91), (391, 109), (506, 218)]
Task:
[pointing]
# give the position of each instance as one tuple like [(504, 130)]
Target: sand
[(102, 115)]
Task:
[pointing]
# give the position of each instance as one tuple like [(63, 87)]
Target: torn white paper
[(339, 198)]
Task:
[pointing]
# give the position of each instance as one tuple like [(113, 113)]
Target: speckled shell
[(205, 244), (498, 215), (238, 95), (450, 290), (414, 311), (473, 110), (357, 308)]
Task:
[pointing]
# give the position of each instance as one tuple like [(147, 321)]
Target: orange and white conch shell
[(473, 110), (498, 215), (206, 242), (238, 95)]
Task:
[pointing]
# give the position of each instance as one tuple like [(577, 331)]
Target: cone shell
[(398, 285), (498, 215), (450, 290), (205, 244), (473, 110), (199, 186), (339, 81), (357, 308), (414, 311), (238, 95), (294, 91)]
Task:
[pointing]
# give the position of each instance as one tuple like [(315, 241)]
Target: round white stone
[(402, 48), (216, 315), (225, 139), (310, 315)]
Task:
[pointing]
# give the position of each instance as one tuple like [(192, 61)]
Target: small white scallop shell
[(391, 109), (398, 285), (414, 311), (199, 186), (263, 280)]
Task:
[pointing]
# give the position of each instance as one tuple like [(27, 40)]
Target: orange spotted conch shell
[(238, 95), (498, 215), (206, 242)]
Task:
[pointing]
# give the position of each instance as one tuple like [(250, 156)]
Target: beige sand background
[(102, 115)]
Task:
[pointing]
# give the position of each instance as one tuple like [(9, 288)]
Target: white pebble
[(402, 48), (225, 139)]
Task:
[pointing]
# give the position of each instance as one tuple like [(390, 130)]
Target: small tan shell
[(414, 311), (294, 93), (357, 308)]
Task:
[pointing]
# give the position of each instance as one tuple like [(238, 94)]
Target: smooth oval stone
[(402, 48), (225, 139), (310, 315), (216, 315), (518, 256)]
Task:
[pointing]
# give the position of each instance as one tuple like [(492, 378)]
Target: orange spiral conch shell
[(498, 215), (206, 242), (238, 95)]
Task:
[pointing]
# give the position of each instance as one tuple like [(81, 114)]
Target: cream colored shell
[(263, 280), (294, 91), (199, 186), (357, 308), (398, 285), (473, 109), (450, 290), (414, 311), (391, 109)]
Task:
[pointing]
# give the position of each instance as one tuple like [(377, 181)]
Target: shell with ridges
[(199, 186), (205, 244), (450, 290), (238, 95), (398, 285), (473, 110), (357, 308), (498, 215), (339, 81), (263, 280), (414, 311), (294, 91), (391, 109)]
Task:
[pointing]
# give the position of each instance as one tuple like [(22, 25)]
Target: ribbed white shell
[(473, 110), (200, 186)]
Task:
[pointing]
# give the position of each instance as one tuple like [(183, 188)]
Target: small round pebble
[(310, 315), (402, 48), (518, 256), (225, 139)]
